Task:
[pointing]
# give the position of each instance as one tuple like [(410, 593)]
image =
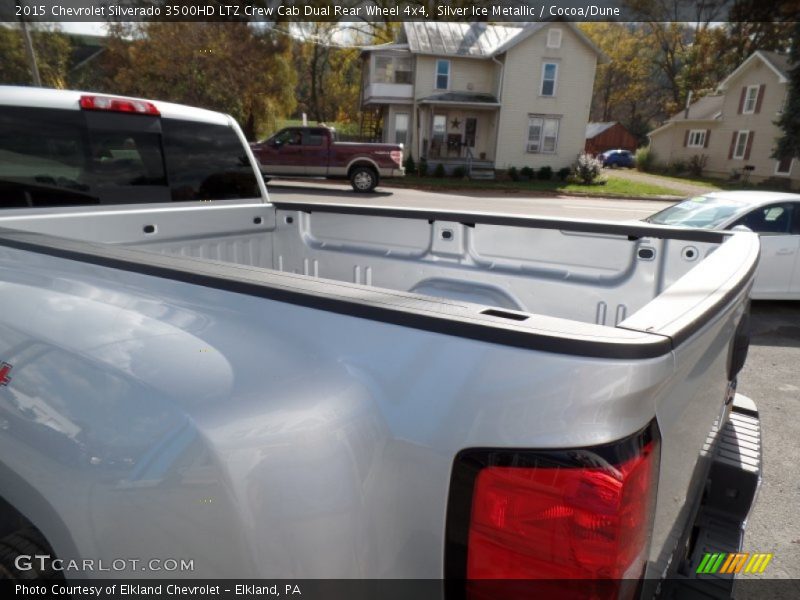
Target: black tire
[(363, 179), (26, 542)]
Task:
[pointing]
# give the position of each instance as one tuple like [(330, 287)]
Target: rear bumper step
[(734, 478)]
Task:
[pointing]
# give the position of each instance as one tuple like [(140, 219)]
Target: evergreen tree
[(789, 122)]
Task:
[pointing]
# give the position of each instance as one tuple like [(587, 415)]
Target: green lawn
[(718, 184), (613, 186)]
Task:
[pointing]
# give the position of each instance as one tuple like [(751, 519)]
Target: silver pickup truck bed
[(315, 370)]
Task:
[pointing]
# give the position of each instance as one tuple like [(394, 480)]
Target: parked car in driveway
[(314, 152), (618, 158), (773, 215)]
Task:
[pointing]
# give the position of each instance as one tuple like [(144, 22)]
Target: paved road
[(578, 208), (771, 376)]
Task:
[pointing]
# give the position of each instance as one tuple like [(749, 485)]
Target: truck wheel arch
[(362, 162), (39, 514)]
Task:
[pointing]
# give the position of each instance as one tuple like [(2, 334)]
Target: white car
[(775, 216)]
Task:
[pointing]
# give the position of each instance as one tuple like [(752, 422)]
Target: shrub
[(439, 171), (697, 164), (677, 167), (546, 173), (513, 174), (587, 169), (460, 172), (645, 159), (526, 173), (563, 173), (410, 165), (422, 168)]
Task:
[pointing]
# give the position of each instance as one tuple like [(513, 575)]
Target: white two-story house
[(733, 131), (482, 96)]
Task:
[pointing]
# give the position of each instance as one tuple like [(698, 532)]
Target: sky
[(85, 28)]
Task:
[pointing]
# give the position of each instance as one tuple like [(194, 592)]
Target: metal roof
[(594, 129), (458, 39), (708, 108), (779, 63)]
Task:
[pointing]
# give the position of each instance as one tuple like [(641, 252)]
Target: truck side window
[(206, 162), (288, 137)]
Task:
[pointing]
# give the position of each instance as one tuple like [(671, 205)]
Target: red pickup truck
[(314, 152)]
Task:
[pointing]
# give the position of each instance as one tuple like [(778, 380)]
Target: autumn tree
[(237, 68), (328, 59), (624, 86), (52, 49)]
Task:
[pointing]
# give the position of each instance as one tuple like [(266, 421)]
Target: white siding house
[(733, 131), (486, 97)]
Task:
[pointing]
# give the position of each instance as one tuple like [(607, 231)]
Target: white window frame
[(554, 37), (405, 131), (543, 120), (542, 80), (748, 98), (739, 134), (436, 74), (697, 138), (784, 173)]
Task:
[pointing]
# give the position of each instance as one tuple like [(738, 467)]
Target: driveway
[(681, 188)]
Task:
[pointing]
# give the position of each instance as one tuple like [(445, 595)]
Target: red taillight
[(125, 105), (575, 514), (397, 156)]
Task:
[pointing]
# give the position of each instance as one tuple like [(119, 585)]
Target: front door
[(438, 135), (470, 130), (779, 248), (401, 128), (282, 153)]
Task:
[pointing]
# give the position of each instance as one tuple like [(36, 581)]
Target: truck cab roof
[(70, 100)]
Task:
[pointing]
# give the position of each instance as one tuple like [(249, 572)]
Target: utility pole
[(29, 50)]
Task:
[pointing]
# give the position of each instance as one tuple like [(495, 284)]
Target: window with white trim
[(554, 38), (442, 74), (697, 138), (542, 134), (549, 77), (741, 144), (750, 99)]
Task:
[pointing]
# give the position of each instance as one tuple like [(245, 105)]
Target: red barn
[(608, 136)]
